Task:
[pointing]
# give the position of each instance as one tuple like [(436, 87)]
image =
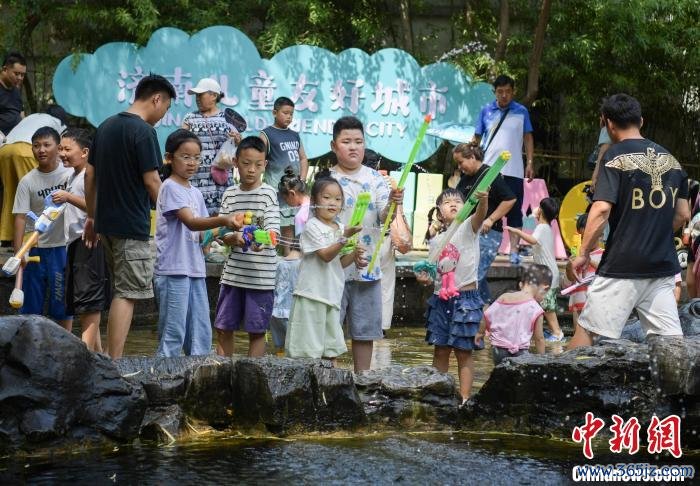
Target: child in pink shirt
[(512, 320)]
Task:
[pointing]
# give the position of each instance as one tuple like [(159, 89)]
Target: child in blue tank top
[(284, 149)]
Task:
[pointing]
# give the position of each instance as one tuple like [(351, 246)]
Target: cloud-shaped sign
[(387, 90)]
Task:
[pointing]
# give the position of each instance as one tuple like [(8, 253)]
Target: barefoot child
[(248, 279), (361, 308), (453, 322), (180, 273), (516, 317), (542, 241), (88, 291), (293, 191), (314, 323)]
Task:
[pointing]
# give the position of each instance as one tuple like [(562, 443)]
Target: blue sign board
[(387, 90)]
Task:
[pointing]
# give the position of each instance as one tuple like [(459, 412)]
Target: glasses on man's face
[(189, 159)]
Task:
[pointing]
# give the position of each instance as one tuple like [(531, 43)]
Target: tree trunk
[(406, 27), (502, 32), (533, 74)]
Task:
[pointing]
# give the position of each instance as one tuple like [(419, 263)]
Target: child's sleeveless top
[(510, 325)]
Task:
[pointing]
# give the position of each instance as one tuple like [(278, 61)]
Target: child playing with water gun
[(180, 271), (516, 317), (47, 276), (542, 240), (314, 329), (455, 309), (248, 279)]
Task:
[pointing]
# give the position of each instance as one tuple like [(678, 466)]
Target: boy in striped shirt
[(248, 280)]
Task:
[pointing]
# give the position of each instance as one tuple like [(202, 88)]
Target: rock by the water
[(201, 385), (54, 391), (286, 395), (400, 395), (546, 394)]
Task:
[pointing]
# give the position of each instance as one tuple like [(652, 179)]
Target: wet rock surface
[(295, 394), (545, 394), (53, 391), (399, 395)]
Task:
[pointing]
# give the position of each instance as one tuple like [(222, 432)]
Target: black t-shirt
[(124, 148), (643, 181), (10, 108), (499, 192)]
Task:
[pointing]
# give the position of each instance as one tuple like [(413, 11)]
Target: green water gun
[(358, 214), (402, 181), (471, 202)]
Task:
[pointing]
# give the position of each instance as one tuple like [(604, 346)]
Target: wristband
[(343, 240)]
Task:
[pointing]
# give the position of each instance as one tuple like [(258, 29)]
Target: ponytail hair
[(431, 213), (291, 182)]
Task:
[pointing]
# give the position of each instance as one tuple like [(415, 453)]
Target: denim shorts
[(46, 276), (454, 322)]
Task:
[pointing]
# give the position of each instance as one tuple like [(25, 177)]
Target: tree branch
[(533, 74)]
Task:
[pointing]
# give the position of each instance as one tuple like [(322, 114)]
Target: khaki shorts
[(131, 266), (610, 301)]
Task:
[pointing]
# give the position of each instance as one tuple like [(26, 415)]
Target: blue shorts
[(46, 276), (361, 310), (454, 322), (515, 215)]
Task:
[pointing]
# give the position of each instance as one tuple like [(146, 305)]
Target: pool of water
[(447, 458)]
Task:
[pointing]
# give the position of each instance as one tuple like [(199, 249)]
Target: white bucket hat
[(204, 85)]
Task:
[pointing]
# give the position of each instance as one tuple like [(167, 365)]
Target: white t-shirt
[(31, 193), (364, 180), (465, 245), (543, 251), (73, 216), (318, 280), (26, 128)]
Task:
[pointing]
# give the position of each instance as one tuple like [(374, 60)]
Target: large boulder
[(288, 395), (54, 391), (403, 396), (547, 394)]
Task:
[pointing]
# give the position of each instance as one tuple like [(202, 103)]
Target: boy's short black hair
[(251, 142), (549, 208), (282, 101), (503, 80), (80, 136), (623, 110), (46, 132), (347, 123), (536, 274), (153, 84), (13, 58)]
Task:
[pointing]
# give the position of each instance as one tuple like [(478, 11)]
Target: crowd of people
[(293, 263)]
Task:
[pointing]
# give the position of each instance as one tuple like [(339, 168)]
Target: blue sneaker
[(515, 259), (551, 338)]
